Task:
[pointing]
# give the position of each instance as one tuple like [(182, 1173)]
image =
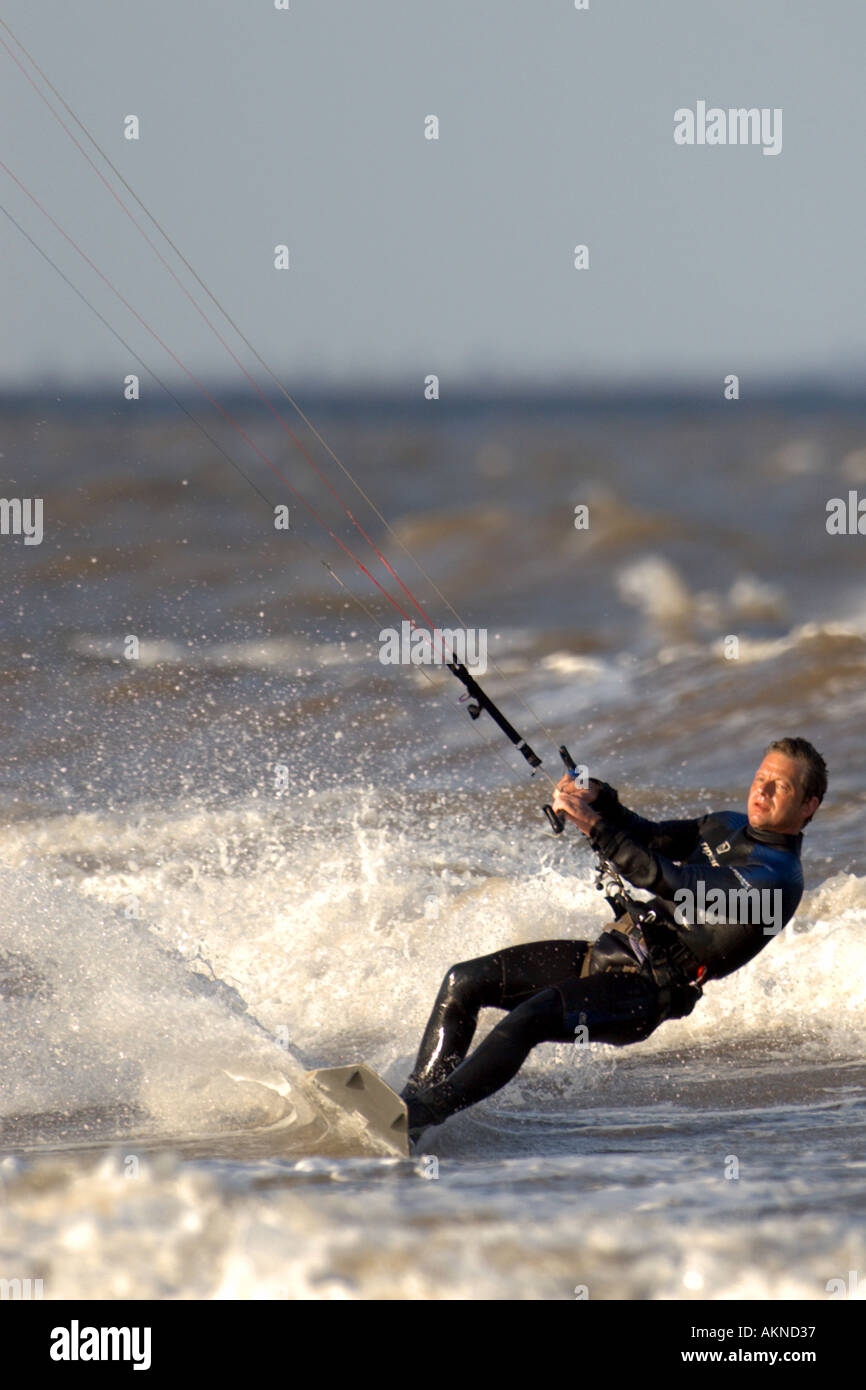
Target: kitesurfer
[(651, 965)]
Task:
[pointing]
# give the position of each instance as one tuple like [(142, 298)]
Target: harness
[(646, 944), (655, 949)]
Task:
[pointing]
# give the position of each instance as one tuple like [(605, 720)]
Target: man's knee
[(469, 981), (538, 1019)]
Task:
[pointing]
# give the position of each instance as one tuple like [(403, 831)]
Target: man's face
[(776, 800)]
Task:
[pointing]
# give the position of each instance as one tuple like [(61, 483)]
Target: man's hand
[(575, 802)]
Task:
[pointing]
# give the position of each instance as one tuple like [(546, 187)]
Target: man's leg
[(499, 981), (615, 1007)]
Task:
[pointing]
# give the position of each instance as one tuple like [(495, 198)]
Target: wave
[(175, 972)]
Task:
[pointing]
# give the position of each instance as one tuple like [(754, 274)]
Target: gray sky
[(454, 256)]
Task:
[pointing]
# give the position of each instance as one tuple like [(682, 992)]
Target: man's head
[(788, 787)]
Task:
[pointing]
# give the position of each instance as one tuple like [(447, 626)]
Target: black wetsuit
[(621, 987)]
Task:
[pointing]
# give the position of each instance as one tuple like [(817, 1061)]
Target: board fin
[(359, 1091)]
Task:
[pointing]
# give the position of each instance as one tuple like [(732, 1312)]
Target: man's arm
[(744, 906), (647, 868), (676, 839), (722, 944)]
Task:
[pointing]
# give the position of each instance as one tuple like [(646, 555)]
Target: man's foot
[(420, 1117)]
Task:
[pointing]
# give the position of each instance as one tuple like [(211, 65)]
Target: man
[(724, 885)]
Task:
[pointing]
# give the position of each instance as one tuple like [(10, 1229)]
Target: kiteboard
[(359, 1092)]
